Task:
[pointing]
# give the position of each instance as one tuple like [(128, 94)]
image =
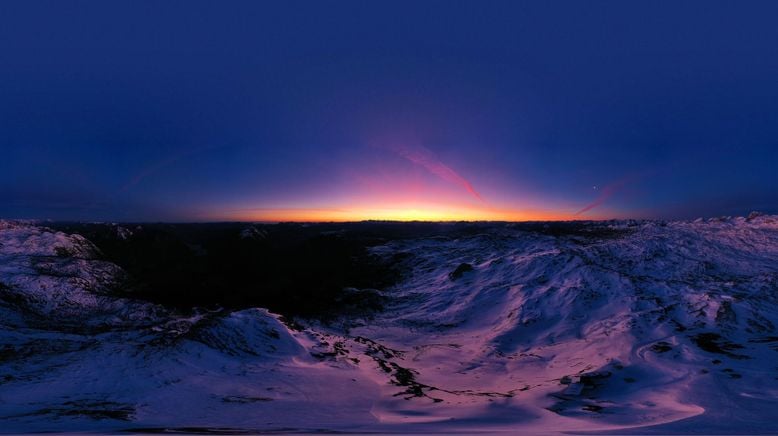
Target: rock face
[(592, 326), (56, 279), (460, 271)]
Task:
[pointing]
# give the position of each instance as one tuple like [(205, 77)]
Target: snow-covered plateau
[(634, 327)]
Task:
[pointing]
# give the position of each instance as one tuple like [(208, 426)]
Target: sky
[(429, 110)]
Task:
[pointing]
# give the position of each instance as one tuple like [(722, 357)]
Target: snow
[(655, 327)]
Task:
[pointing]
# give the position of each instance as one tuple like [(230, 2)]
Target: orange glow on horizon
[(410, 213)]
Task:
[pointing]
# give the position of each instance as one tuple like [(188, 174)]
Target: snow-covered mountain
[(629, 326)]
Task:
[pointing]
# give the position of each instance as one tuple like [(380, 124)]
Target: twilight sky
[(196, 111)]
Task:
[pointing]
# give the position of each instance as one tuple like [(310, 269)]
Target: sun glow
[(401, 213)]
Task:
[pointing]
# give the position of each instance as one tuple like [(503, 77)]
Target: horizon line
[(389, 221)]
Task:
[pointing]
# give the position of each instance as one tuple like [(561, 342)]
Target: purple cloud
[(425, 158)]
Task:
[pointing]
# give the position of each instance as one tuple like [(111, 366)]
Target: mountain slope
[(625, 326)]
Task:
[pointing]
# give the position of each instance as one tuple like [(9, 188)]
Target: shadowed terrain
[(306, 270)]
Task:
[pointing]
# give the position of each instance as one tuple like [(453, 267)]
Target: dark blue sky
[(349, 110)]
